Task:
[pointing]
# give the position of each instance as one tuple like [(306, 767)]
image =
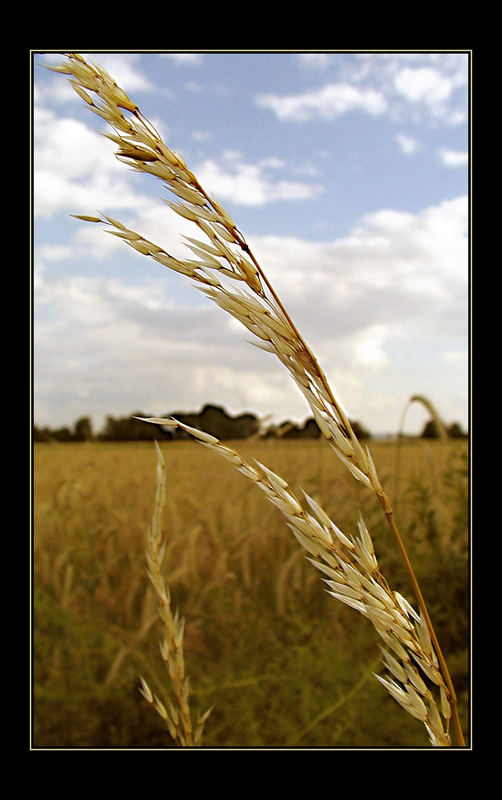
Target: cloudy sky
[(347, 174)]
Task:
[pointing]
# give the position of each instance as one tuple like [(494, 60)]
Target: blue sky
[(347, 174)]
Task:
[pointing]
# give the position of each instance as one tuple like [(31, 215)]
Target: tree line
[(212, 419)]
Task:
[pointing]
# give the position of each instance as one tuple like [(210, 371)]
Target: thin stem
[(444, 668), (384, 502)]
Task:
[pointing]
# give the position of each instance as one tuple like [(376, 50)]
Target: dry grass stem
[(225, 269), (177, 715), (223, 255)]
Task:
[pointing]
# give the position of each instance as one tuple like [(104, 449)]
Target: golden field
[(283, 663)]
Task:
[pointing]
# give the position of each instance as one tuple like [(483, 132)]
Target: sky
[(347, 173)]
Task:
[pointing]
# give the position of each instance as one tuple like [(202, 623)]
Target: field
[(283, 663)]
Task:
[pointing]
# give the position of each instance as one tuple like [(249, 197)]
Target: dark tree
[(62, 434), (455, 431), (83, 430), (360, 431), (430, 430)]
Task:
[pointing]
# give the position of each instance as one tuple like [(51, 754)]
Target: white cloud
[(420, 260), (201, 136), (54, 252), (315, 60), (407, 144), (73, 166), (184, 59), (423, 85), (430, 90), (416, 87), (54, 193), (453, 158), (328, 102), (251, 184), (369, 347), (75, 170), (69, 147), (53, 93)]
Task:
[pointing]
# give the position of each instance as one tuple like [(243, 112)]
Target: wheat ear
[(177, 715), (225, 257)]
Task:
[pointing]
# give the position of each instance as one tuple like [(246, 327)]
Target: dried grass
[(177, 716)]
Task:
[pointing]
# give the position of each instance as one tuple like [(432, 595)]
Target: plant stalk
[(421, 602), (384, 502)]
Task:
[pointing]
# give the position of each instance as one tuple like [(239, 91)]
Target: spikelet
[(177, 717)]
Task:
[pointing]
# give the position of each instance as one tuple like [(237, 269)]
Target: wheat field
[(280, 661)]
